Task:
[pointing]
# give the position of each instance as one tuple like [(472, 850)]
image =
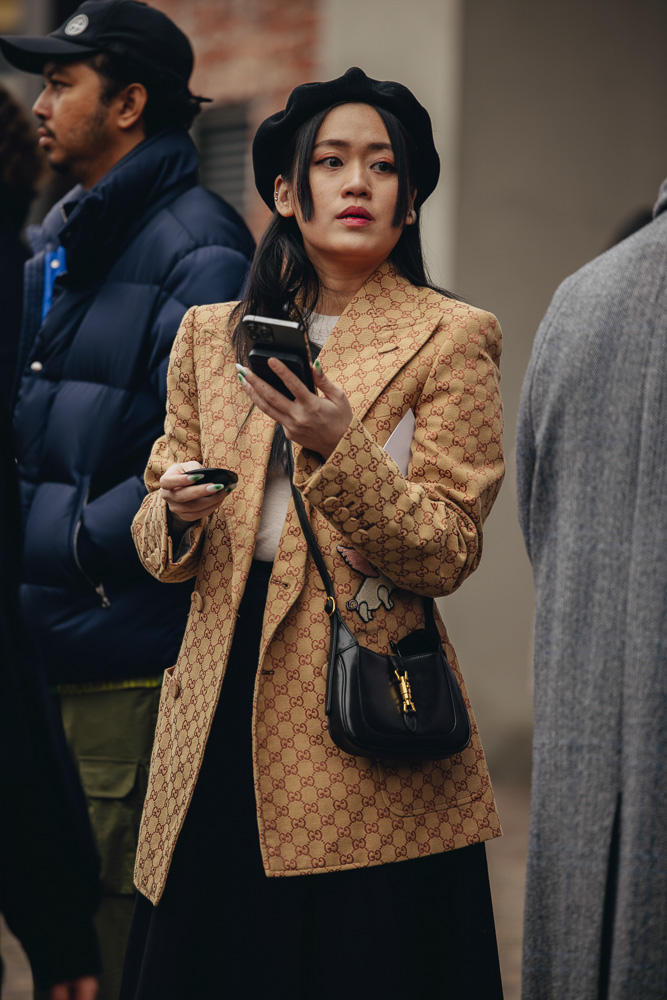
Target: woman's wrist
[(177, 527)]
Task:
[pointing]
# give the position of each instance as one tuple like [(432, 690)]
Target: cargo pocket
[(115, 790)]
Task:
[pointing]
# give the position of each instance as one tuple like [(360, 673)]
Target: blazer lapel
[(383, 326), (251, 465)]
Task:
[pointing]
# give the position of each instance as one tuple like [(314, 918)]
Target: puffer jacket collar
[(95, 226), (46, 235)]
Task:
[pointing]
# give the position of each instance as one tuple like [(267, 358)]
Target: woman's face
[(354, 187)]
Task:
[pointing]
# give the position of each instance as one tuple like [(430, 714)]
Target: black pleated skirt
[(414, 929)]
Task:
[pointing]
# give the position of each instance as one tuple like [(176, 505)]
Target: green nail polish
[(195, 477), (241, 378), (317, 366), (214, 487)]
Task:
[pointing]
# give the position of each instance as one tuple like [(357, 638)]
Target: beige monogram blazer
[(386, 539)]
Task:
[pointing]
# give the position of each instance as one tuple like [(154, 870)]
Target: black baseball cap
[(130, 30), (273, 135)]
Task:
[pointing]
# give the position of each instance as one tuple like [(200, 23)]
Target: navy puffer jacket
[(142, 246)]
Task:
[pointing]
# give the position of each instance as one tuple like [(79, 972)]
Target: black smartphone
[(225, 477), (278, 338)]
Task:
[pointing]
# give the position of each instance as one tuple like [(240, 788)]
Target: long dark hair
[(283, 281)]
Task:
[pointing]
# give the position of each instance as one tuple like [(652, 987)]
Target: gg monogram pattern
[(318, 809)]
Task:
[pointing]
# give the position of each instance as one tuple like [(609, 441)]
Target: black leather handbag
[(406, 704)]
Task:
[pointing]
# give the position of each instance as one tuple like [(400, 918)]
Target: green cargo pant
[(110, 732)]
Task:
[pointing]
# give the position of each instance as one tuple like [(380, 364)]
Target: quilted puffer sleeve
[(207, 274), (179, 443), (424, 530)]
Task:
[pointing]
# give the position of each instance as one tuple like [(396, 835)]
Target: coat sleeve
[(526, 436), (206, 274), (424, 530), (179, 443)]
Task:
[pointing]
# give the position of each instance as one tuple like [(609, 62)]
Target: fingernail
[(214, 487), (195, 477), (230, 489), (241, 369), (241, 379), (317, 366)]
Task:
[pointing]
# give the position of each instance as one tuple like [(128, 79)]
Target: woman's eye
[(384, 167), (330, 161)]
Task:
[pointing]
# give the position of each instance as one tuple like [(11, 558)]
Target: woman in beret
[(270, 861)]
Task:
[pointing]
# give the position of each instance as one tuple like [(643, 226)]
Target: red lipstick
[(355, 216), (355, 211)]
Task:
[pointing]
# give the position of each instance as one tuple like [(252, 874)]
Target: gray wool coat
[(592, 477)]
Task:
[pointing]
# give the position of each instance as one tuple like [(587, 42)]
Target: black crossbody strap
[(314, 549)]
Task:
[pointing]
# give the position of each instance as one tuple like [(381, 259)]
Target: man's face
[(74, 129)]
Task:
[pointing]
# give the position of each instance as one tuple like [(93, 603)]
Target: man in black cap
[(116, 264)]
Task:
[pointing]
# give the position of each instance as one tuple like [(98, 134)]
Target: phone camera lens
[(251, 329), (267, 333)]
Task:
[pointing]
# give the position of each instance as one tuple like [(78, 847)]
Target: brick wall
[(253, 51)]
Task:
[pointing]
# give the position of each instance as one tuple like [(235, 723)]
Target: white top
[(277, 491)]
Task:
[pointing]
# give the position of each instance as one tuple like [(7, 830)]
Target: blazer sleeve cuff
[(156, 546), (347, 486)]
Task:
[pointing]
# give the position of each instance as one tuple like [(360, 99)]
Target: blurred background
[(549, 122)]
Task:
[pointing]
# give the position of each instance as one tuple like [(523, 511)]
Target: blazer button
[(175, 688), (197, 601), (341, 514), (330, 503), (360, 536)]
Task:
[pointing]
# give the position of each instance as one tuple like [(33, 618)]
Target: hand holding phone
[(315, 420), (192, 492), (278, 338)]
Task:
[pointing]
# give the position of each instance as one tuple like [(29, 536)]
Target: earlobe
[(283, 197)]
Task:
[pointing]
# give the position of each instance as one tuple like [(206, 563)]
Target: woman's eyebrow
[(343, 143)]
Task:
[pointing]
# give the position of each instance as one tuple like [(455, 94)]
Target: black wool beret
[(354, 87)]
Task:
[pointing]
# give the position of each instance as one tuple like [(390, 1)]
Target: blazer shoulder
[(214, 312), (463, 322), (432, 301), (212, 320), (206, 328)]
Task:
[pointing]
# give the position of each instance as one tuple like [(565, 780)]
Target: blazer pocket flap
[(107, 777)]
